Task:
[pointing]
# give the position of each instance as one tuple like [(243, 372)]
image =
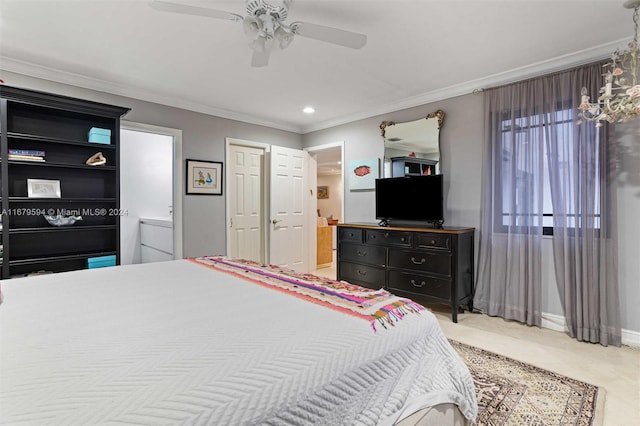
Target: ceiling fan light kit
[(264, 23), (251, 26), (283, 36)]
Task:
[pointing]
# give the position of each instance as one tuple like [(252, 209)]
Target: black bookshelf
[(58, 125)]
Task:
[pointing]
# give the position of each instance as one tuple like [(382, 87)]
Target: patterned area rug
[(511, 392)]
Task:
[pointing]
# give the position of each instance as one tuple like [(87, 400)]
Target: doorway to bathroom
[(150, 193)]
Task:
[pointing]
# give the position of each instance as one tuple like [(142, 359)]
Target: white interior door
[(245, 165), (289, 197), (312, 210)]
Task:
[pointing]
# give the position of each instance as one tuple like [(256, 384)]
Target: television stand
[(426, 264)]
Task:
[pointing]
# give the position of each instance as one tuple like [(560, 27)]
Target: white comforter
[(178, 343)]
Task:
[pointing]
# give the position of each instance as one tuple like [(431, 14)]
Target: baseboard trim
[(553, 322), (631, 338), (557, 323)]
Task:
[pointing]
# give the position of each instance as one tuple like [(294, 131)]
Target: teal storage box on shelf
[(101, 261), (98, 135)]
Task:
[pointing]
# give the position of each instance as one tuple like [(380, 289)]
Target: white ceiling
[(417, 52)]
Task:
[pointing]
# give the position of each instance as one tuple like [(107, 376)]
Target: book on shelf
[(25, 157), (34, 152)]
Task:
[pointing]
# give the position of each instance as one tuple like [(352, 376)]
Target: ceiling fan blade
[(260, 59), (165, 6), (329, 34)]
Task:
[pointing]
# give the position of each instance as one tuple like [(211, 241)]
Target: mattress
[(182, 343)]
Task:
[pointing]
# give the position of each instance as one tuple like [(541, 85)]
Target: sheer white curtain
[(546, 175)]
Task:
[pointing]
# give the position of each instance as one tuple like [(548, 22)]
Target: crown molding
[(539, 68), (529, 71), (65, 77)]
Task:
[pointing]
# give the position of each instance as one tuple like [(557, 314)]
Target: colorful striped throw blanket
[(377, 306)]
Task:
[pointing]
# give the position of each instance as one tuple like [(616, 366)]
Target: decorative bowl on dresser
[(425, 264)]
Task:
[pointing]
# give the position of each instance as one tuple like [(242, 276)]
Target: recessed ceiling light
[(309, 110)]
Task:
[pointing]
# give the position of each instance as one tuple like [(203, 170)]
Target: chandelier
[(619, 99)]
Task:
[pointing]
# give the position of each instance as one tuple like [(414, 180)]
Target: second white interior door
[(288, 239), (245, 202)]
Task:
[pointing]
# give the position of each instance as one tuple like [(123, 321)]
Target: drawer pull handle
[(386, 235), (363, 273), (433, 242), (415, 262), (422, 283), (361, 253), (402, 239)]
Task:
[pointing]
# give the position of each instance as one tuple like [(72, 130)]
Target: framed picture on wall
[(204, 177), (323, 192), (362, 174)]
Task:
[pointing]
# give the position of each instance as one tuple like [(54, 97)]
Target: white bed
[(179, 343)]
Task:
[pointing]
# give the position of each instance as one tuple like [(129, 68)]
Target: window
[(535, 150)]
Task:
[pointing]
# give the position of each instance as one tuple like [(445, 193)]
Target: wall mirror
[(412, 147)]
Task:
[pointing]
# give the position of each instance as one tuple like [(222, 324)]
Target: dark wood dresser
[(424, 264)]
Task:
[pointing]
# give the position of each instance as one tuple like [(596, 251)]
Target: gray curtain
[(545, 174), (509, 267), (583, 190)]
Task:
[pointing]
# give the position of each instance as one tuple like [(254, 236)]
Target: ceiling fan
[(264, 25)]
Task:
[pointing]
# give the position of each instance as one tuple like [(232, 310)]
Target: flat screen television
[(410, 199)]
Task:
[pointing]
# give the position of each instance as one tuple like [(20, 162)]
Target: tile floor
[(615, 370)]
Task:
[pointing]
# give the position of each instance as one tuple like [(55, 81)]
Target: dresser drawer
[(433, 241), (420, 284), (350, 234), (389, 238), (373, 255), (367, 276), (435, 263)]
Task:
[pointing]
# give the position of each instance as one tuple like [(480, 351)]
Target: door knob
[(274, 221)]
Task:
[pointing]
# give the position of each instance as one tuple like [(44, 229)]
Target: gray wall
[(628, 143), (461, 148), (203, 138), (461, 153)]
